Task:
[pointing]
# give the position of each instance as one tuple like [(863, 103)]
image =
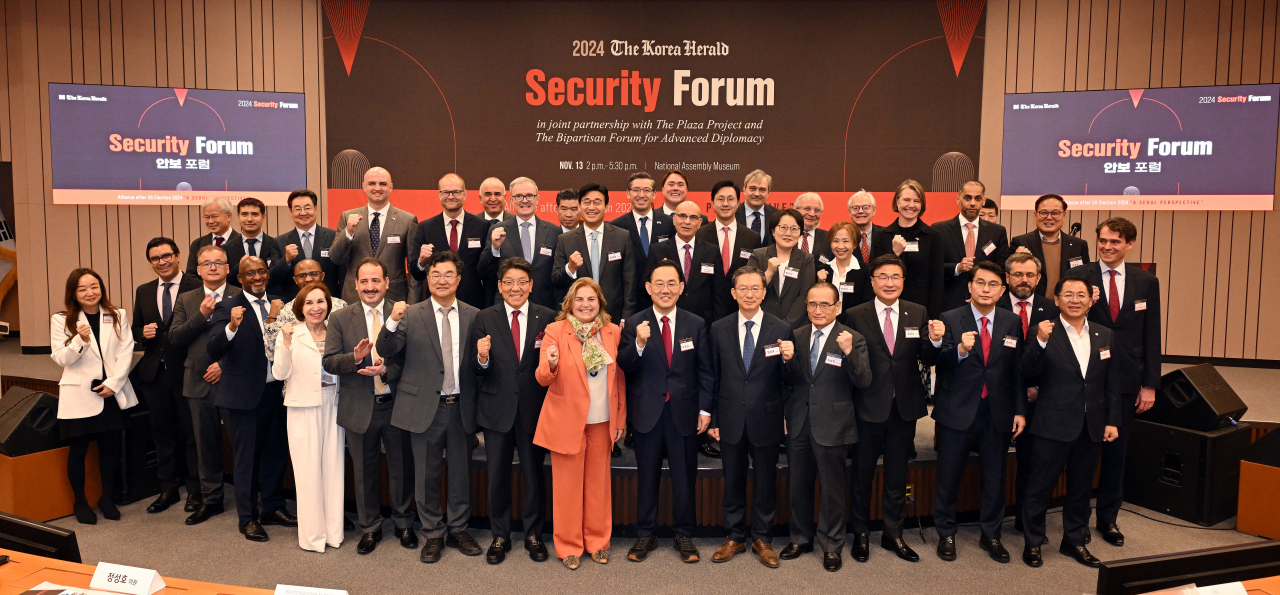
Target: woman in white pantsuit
[(315, 440)]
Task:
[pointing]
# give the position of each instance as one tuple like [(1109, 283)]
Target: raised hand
[(1023, 249), (84, 331), (966, 264), (482, 348), (398, 310), (788, 350), (936, 330), (290, 252), (363, 349), (966, 342), (237, 315), (276, 307), (553, 356), (498, 236), (643, 333), (822, 275), (424, 253), (575, 262), (287, 333), (149, 331), (1044, 329), (845, 341), (207, 305), (899, 245), (353, 221)]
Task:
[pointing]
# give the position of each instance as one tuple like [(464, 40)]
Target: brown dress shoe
[(767, 556), (727, 551)]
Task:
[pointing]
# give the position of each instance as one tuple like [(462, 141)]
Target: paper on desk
[(52, 589), (1223, 589)]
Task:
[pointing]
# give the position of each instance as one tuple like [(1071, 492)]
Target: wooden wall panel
[(221, 44)]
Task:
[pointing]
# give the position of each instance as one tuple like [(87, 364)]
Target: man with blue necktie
[(648, 227), (598, 250)]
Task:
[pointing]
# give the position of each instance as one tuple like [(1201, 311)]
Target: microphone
[(1075, 229)]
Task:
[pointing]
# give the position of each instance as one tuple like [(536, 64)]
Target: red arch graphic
[(1175, 114), (438, 89), (215, 112)]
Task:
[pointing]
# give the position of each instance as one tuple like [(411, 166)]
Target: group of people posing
[(757, 331)]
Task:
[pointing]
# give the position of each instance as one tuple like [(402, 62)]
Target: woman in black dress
[(912, 240), (92, 342), (845, 271)]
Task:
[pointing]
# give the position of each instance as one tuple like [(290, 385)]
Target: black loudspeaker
[(1196, 398), (1191, 475), (28, 422), (139, 462)]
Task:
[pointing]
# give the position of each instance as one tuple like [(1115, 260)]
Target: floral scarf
[(593, 353)]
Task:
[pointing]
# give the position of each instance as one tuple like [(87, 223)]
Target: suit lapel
[(433, 331), (1059, 338)]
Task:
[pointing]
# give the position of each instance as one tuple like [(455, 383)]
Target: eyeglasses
[(453, 193), (524, 197), (444, 277), (888, 278), (303, 208), (665, 285), (1023, 275), (521, 283), (211, 264), (749, 289), (987, 284), (819, 305), (644, 191), (861, 208), (256, 273), (162, 258), (788, 229), (308, 275), (1075, 296), (685, 217), (591, 203), (1049, 214)]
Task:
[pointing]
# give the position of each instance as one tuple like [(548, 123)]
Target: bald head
[(493, 197), (687, 219), (377, 187), (254, 275)]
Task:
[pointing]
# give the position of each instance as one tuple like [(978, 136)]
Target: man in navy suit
[(699, 262), (527, 237), (755, 213), (648, 227), (980, 402), (965, 241), (250, 399), (753, 363), (307, 240), (665, 353), (457, 230), (1129, 305)]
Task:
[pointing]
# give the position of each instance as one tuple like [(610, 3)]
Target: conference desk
[(25, 571), (1263, 586)]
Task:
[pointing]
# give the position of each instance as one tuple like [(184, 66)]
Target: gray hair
[(223, 205), (521, 180), (758, 174), (861, 194)]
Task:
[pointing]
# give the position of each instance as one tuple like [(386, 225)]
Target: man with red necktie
[(453, 229)]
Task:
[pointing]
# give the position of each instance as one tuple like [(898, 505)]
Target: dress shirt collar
[(1084, 330), (246, 237), (733, 228), (368, 309), (524, 310), (587, 229), (748, 212), (826, 330), (1047, 240), (964, 221), (978, 316), (671, 318), (680, 244), (382, 213), (311, 230), (881, 307), (453, 303), (757, 319), (1106, 270), (487, 217), (532, 219), (220, 292), (447, 218), (564, 229)]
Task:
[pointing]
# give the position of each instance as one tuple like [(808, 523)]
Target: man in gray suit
[(366, 392), (376, 230), (189, 330), (435, 400), (527, 237), (600, 251)]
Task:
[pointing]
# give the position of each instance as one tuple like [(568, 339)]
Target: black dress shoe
[(709, 449), (995, 549), (431, 548), (793, 551), (369, 542), (831, 561), (253, 531), (408, 538), (193, 502), (1111, 534), (1080, 554), (278, 517), (1031, 556), (536, 548), (464, 543), (204, 513), (1088, 536), (947, 548), (900, 547), (641, 548), (860, 549), (498, 550), (163, 502), (629, 440), (616, 452)]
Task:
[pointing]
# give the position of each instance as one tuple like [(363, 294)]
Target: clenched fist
[(84, 331), (290, 252), (498, 236), (353, 221), (207, 305), (642, 334), (482, 348), (553, 356), (397, 311), (899, 245), (575, 262), (936, 330), (965, 265), (287, 332), (966, 342), (149, 331), (276, 307), (788, 350), (845, 341), (424, 253), (237, 315), (1044, 329), (822, 276)]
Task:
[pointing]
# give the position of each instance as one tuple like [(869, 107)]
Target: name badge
[(1139, 305), (1075, 262), (708, 269), (473, 242), (686, 344), (537, 341), (912, 247), (834, 359), (126, 579), (744, 254), (989, 248), (846, 288), (1104, 353), (615, 256), (662, 239), (1010, 341), (108, 319), (823, 259), (393, 239), (911, 332), (791, 273), (324, 254), (544, 250), (772, 350)]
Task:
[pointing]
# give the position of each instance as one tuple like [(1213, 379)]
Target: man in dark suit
[(508, 336), (965, 241), (734, 242), (862, 211), (821, 425), (436, 400), (649, 228), (1079, 403), (524, 236), (250, 400), (674, 188), (1022, 273), (755, 213), (980, 402), (699, 264), (158, 376), (752, 362), (307, 240), (990, 211), (382, 231), (457, 230), (1130, 307), (665, 353), (813, 239), (1059, 252), (188, 332), (600, 251), (253, 240), (900, 338), (217, 213), (366, 392), (493, 203)]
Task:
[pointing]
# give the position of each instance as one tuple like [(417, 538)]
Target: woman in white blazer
[(92, 342), (315, 440)]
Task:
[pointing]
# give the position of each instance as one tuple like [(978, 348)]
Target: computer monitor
[(30, 537), (1212, 566)]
